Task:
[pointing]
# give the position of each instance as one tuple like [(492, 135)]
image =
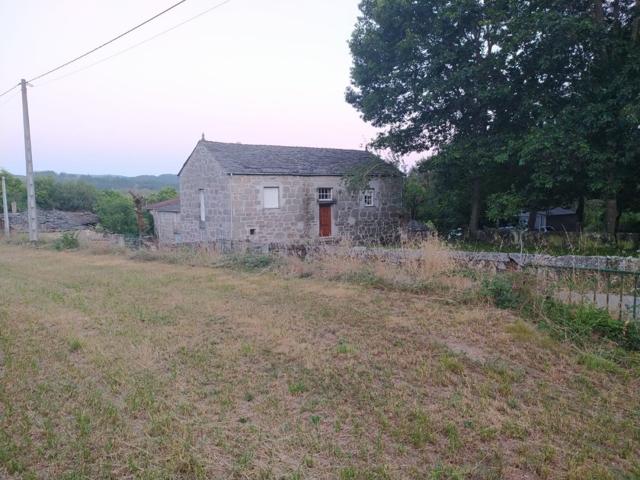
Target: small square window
[(325, 194), (252, 231), (368, 198), (271, 197)]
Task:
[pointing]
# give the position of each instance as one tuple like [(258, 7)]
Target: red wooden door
[(325, 220)]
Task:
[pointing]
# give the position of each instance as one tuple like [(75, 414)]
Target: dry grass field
[(116, 368)]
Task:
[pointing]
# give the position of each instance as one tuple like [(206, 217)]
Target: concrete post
[(31, 191), (5, 208)]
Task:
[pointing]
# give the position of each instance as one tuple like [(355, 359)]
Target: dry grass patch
[(113, 368)]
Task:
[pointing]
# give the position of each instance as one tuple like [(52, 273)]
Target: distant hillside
[(117, 182)]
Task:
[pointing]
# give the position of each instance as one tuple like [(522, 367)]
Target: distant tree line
[(142, 183), (115, 209), (525, 105)]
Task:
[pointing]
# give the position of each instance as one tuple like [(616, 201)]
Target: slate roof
[(243, 159), (171, 205)]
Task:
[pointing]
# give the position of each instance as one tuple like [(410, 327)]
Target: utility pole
[(31, 191), (5, 207)]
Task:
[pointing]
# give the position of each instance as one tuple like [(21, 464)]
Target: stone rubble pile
[(52, 221)]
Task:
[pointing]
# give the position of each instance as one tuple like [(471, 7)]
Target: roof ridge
[(288, 146), (253, 159)]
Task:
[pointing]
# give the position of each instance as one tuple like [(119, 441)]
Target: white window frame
[(368, 198), (268, 201), (203, 214), (325, 194)]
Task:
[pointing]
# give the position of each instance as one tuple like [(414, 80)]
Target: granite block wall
[(166, 227), (296, 220), (200, 173)]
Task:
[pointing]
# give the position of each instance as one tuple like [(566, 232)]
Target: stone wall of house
[(202, 173), (166, 226), (296, 220)]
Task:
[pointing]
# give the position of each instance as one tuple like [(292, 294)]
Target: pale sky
[(251, 71)]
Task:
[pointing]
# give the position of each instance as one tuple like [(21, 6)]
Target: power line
[(9, 98), (108, 42), (147, 40), (7, 91)]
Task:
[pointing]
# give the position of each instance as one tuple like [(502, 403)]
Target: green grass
[(74, 345), (249, 262), (116, 368), (581, 324)]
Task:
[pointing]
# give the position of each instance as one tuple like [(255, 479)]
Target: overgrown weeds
[(68, 241), (581, 324), (194, 256), (425, 267), (249, 262)]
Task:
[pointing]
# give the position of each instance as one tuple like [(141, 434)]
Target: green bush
[(68, 241), (116, 212), (500, 289)]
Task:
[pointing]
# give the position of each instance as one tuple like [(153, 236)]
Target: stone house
[(234, 194)]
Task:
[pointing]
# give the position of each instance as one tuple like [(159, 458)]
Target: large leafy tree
[(537, 98), (430, 73), (583, 136)]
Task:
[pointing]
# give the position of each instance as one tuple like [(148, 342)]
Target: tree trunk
[(531, 221), (138, 203), (580, 213), (474, 221), (635, 28), (611, 215), (598, 10)]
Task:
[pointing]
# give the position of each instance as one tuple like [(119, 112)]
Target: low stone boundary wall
[(51, 221), (520, 260), (490, 260), (91, 238), (505, 261)]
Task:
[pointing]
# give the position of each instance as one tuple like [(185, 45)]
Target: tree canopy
[(528, 103)]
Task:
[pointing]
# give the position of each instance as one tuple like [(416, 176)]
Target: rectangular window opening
[(325, 194), (271, 197), (202, 210), (368, 198)]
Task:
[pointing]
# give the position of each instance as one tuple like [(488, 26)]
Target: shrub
[(68, 241), (116, 212), (500, 289), (578, 323)]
